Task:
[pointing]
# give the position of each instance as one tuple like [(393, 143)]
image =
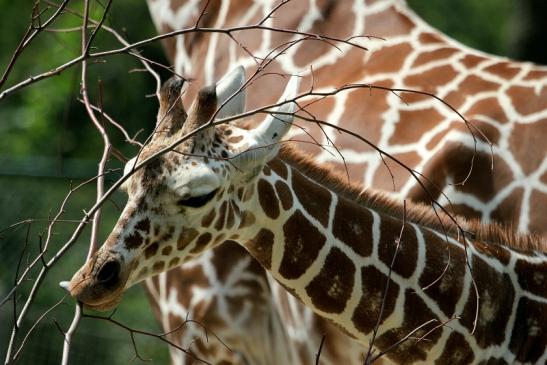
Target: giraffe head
[(188, 199)]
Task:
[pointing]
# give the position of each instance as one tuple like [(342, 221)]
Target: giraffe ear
[(265, 138), (228, 91), (278, 123)]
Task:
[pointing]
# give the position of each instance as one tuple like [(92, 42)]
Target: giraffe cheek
[(186, 237)]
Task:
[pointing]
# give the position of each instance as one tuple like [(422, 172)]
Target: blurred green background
[(48, 144)]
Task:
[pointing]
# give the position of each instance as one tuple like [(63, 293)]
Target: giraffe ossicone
[(330, 243)]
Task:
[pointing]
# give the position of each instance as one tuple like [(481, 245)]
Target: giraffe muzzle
[(100, 283)]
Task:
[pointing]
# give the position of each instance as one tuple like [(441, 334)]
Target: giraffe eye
[(197, 201)]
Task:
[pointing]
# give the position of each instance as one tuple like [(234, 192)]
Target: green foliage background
[(48, 143)]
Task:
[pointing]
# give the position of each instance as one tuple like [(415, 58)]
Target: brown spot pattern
[(202, 242), (332, 287), (261, 247), (151, 250), (407, 254), (373, 287), (208, 218), (444, 287), (456, 351), (303, 241), (278, 166), (158, 266), (284, 194), (143, 225), (134, 240), (352, 225), (247, 219), (268, 199), (532, 277), (221, 216), (186, 236), (529, 336), (494, 309), (314, 198), (418, 314)]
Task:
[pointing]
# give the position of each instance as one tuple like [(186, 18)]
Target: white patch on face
[(194, 181)]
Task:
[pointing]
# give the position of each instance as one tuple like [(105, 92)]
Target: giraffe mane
[(415, 212)]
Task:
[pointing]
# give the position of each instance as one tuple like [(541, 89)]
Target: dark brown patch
[(186, 237), (444, 287), (268, 199), (151, 250), (201, 242), (313, 197), (332, 287), (532, 277), (158, 266), (143, 225), (493, 361), (279, 168), (352, 225), (261, 247), (418, 314), (208, 218), (248, 193), (134, 240), (303, 241), (166, 251), (219, 224), (174, 261), (456, 351), (538, 212), (529, 336), (373, 286), (407, 253), (247, 219), (231, 214), (494, 309), (284, 194)]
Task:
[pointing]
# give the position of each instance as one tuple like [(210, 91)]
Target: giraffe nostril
[(109, 274)]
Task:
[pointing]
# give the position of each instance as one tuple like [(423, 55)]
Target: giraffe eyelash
[(197, 201)]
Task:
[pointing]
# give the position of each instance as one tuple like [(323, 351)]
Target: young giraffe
[(332, 245), (506, 99)]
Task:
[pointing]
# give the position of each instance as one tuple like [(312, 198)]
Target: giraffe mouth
[(105, 306), (99, 284)]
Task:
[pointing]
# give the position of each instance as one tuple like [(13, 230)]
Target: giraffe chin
[(105, 306)]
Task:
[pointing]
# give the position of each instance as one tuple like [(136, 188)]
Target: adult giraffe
[(506, 99), (328, 242)]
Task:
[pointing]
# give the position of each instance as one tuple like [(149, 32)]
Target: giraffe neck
[(337, 255)]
